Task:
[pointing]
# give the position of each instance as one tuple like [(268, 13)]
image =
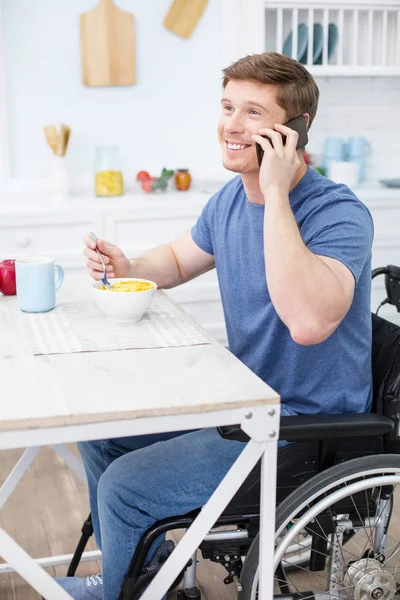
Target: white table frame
[(261, 423)]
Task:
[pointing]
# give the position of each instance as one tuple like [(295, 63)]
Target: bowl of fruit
[(148, 183)]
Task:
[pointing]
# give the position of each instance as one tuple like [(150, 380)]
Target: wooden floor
[(45, 514), (46, 511)]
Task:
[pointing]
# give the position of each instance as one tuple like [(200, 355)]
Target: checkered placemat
[(79, 327)]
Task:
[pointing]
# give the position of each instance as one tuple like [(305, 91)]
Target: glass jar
[(182, 179), (109, 180)]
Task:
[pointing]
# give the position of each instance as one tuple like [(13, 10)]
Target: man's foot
[(83, 588)]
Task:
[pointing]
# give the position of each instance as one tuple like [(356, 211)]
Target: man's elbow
[(311, 334)]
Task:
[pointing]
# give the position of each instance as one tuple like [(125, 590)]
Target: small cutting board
[(183, 16), (108, 45)]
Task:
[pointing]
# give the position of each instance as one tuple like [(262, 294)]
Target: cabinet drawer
[(58, 236), (146, 231), (386, 251)]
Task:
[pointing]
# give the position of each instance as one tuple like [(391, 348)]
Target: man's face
[(246, 107)]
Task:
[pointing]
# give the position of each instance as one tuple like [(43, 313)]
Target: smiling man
[(292, 252)]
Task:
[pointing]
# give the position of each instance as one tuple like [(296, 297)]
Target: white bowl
[(123, 307)]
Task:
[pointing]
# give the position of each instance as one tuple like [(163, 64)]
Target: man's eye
[(254, 112), (228, 108)]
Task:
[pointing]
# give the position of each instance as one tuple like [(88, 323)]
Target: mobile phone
[(300, 125)]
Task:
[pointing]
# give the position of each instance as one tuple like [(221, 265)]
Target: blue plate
[(302, 42), (317, 44), (333, 38), (318, 41), (392, 183)]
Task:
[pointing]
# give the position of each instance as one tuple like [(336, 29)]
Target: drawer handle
[(23, 242)]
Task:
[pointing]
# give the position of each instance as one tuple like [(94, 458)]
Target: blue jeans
[(136, 481)]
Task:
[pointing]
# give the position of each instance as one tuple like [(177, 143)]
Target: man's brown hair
[(297, 92)]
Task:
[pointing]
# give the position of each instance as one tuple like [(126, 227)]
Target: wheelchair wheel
[(349, 515)]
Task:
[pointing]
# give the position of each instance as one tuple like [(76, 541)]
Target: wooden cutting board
[(183, 16), (108, 45)]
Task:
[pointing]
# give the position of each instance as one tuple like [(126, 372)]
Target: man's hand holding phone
[(280, 162), (277, 153)]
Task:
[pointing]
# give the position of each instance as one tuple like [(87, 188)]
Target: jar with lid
[(182, 179), (108, 169)]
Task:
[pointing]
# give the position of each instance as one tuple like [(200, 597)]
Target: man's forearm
[(304, 291), (159, 265)]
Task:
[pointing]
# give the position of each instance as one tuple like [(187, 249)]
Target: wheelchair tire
[(319, 486)]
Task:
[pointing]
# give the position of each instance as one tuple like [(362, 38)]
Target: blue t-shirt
[(335, 375)]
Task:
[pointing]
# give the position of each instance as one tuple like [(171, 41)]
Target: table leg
[(14, 478), (16, 474), (71, 460), (204, 521), (29, 570), (267, 520)]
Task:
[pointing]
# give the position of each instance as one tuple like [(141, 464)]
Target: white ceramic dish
[(123, 307)]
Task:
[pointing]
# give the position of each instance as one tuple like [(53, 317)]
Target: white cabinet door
[(386, 247)]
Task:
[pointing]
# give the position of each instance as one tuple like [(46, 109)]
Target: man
[(292, 252)]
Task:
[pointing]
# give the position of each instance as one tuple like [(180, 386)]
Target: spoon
[(106, 283)]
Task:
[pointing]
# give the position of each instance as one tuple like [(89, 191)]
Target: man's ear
[(307, 116)]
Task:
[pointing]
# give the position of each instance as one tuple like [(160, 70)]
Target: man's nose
[(234, 124)]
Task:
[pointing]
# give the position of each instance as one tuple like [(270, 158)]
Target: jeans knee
[(109, 488), (123, 487)]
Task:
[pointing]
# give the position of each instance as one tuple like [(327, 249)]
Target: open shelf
[(337, 38)]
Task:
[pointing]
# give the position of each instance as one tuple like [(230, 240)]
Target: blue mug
[(37, 283)]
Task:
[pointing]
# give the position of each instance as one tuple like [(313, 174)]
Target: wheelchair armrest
[(320, 427)]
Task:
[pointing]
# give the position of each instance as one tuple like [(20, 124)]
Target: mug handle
[(60, 276)]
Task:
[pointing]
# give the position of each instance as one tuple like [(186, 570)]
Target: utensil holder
[(60, 179)]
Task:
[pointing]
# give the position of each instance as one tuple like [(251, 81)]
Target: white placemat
[(79, 327)]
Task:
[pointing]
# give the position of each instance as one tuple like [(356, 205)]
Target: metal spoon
[(106, 283)]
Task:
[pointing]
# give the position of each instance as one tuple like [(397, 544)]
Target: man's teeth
[(236, 146)]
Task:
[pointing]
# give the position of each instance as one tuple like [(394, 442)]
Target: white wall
[(167, 119)]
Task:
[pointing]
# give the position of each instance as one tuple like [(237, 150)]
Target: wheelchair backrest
[(386, 374)]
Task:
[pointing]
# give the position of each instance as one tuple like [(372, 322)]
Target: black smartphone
[(300, 125)]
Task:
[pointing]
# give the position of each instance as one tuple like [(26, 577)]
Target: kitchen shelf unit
[(368, 35)]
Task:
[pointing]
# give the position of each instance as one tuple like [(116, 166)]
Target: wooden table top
[(91, 387)]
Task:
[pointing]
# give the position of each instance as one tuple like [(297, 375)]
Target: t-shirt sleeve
[(202, 230), (342, 230)]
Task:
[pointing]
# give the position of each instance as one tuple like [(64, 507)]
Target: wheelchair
[(336, 491)]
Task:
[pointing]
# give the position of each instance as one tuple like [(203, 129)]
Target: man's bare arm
[(168, 265)]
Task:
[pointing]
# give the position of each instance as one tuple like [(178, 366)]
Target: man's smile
[(236, 146)]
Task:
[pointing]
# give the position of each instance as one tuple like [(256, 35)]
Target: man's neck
[(252, 186)]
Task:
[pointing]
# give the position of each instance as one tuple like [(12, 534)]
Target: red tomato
[(142, 176), (147, 185)]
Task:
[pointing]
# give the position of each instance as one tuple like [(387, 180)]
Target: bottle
[(182, 179), (109, 180)]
